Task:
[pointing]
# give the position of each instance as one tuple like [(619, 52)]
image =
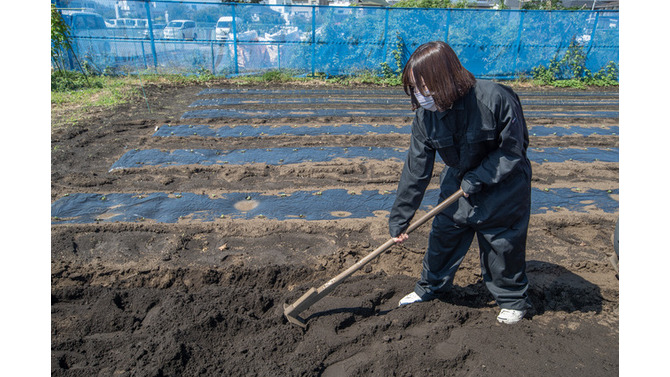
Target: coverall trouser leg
[(502, 256), (503, 262), (447, 245)]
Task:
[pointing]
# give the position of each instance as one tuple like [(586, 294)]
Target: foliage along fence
[(327, 40)]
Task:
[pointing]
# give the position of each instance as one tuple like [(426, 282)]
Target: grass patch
[(75, 97)]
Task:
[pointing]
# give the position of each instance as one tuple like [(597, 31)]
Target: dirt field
[(205, 298)]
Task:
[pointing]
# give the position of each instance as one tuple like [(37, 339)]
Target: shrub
[(571, 71)]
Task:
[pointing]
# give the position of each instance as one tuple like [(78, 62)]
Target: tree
[(432, 4), (545, 5)]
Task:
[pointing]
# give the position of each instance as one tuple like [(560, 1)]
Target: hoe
[(292, 312)]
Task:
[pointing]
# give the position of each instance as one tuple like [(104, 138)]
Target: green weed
[(570, 71), (394, 75)]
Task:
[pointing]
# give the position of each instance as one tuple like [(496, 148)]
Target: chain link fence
[(241, 39)]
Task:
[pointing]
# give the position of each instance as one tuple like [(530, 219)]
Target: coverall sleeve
[(415, 177), (511, 147)]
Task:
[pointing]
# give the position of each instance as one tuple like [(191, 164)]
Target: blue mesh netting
[(130, 36)]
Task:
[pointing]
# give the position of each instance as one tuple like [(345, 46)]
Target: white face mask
[(426, 102)]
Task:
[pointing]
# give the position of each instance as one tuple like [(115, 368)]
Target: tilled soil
[(206, 297)]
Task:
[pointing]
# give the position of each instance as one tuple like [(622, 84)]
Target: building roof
[(588, 4), (371, 3)]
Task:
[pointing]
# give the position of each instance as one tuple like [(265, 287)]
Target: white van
[(131, 27), (224, 26), (180, 29)]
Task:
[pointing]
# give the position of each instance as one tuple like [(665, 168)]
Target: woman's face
[(415, 86), (426, 101)]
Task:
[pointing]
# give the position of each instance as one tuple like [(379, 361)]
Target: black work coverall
[(483, 141)]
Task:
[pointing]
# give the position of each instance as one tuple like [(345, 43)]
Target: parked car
[(90, 31), (224, 27), (83, 22), (180, 29), (126, 22), (157, 29)]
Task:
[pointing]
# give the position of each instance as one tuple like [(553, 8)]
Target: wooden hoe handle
[(291, 312)]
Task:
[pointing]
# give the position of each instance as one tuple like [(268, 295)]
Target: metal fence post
[(144, 56), (593, 34), (278, 56), (313, 37), (151, 34), (211, 45), (446, 29), (518, 42), (237, 70), (386, 26)]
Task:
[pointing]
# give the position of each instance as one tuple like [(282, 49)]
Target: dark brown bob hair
[(436, 65)]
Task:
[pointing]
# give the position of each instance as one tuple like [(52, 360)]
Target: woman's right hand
[(401, 238)]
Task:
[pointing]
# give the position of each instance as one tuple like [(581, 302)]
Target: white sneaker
[(510, 316), (410, 299)]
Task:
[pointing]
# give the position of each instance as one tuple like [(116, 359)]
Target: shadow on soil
[(552, 288)]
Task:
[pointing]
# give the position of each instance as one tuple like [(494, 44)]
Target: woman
[(478, 129)]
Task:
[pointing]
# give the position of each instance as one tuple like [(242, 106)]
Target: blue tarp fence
[(131, 37)]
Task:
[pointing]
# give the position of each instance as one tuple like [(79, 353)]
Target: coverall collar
[(458, 105)]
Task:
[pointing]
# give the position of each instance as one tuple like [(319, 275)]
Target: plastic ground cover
[(137, 158), (185, 130), (307, 205), (256, 131), (298, 101), (283, 113), (376, 101), (378, 92), (269, 156)]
